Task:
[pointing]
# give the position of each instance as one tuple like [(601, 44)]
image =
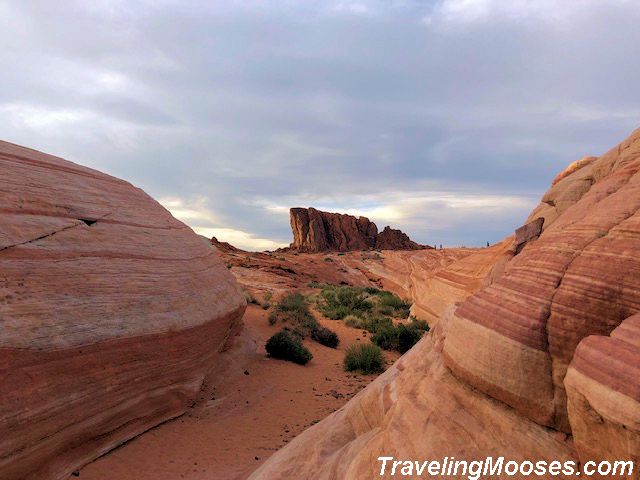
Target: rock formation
[(392, 239), (542, 363), (111, 313), (527, 233), (318, 231)]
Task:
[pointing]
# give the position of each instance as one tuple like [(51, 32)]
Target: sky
[(445, 118)]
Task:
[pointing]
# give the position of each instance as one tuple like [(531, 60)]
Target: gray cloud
[(237, 110)]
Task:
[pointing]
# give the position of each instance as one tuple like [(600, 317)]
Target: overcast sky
[(447, 119)]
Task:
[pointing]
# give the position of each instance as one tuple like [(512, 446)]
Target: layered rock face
[(545, 351), (318, 231), (111, 313), (580, 278), (603, 391)]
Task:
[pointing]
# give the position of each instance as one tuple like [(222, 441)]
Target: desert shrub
[(293, 309), (400, 337), (249, 297), (287, 346), (352, 321), (268, 295), (407, 337), (386, 337), (365, 358), (325, 336), (338, 302), (373, 323), (328, 259), (398, 307), (293, 302), (266, 305)]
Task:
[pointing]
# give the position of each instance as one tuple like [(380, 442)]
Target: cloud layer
[(447, 119)]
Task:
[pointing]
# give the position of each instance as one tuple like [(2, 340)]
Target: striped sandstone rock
[(111, 312)]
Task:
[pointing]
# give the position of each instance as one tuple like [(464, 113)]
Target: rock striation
[(581, 277), (542, 362), (318, 231), (111, 313)]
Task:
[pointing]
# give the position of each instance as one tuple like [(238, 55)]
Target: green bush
[(365, 358), (293, 302), (338, 302), (325, 336), (352, 321), (407, 338), (400, 337), (397, 307), (287, 346), (293, 309), (386, 337)]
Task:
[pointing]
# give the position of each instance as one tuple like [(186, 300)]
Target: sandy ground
[(250, 407)]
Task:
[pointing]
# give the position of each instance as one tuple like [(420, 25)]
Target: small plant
[(400, 337), (293, 309), (365, 358), (266, 305), (287, 346), (250, 298), (338, 302), (352, 321), (325, 336), (268, 295)]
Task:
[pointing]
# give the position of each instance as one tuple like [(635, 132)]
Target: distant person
[(440, 246), (488, 244)]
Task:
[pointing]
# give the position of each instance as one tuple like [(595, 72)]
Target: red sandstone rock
[(391, 239), (603, 390), (317, 231), (515, 339), (223, 246), (527, 233), (574, 167), (111, 313)]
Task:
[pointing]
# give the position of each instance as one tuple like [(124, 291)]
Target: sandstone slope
[(490, 378), (111, 313)]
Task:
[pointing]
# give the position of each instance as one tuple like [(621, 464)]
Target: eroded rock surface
[(516, 338), (111, 313), (603, 390), (318, 231)]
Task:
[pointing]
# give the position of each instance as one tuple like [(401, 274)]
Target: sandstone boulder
[(527, 233), (111, 313)]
